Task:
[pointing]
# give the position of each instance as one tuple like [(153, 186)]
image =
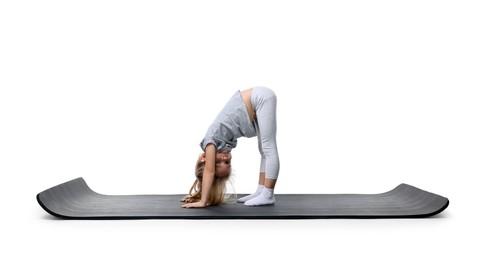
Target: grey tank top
[(231, 123)]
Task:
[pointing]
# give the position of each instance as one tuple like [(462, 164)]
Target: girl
[(248, 113)]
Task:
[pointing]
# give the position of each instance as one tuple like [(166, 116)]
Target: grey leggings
[(264, 102)]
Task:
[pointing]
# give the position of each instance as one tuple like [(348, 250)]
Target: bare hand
[(198, 204), (186, 198)]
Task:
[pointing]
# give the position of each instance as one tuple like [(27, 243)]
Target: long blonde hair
[(217, 194)]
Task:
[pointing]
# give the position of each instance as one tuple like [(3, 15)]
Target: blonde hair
[(217, 194)]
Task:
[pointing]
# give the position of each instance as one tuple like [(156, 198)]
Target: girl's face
[(223, 164)]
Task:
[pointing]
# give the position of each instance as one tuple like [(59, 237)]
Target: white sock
[(251, 196), (265, 198)]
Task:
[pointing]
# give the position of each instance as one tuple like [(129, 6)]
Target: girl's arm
[(208, 177)]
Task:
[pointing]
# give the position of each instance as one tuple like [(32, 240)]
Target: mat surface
[(75, 200)]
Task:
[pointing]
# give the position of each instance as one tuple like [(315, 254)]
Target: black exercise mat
[(75, 200)]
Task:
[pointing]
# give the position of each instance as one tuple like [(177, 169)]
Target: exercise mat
[(75, 200)]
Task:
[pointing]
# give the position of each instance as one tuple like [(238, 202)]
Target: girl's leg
[(261, 178), (265, 104)]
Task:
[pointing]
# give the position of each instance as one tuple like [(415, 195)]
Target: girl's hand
[(186, 198), (198, 204)]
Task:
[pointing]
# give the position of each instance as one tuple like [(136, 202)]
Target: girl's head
[(222, 173)]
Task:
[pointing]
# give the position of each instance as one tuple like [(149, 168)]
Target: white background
[(371, 94)]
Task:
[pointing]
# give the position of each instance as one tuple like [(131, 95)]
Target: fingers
[(188, 205), (194, 205), (186, 198)]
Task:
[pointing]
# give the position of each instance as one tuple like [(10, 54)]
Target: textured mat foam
[(75, 200)]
